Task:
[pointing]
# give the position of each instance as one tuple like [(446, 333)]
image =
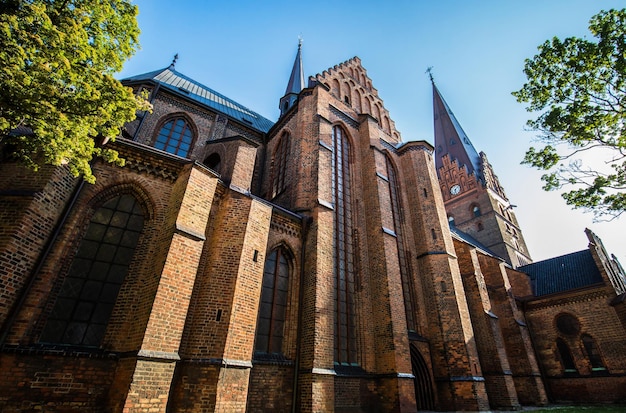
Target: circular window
[(567, 324)]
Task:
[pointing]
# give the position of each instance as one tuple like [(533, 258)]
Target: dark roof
[(451, 139), (471, 240), (296, 80), (170, 79), (564, 273)]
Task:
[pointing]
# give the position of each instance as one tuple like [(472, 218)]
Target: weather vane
[(174, 61), (430, 73)]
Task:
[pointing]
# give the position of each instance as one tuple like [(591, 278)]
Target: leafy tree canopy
[(57, 91), (580, 87)]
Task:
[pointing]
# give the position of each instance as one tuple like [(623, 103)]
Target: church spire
[(296, 83), (450, 139)]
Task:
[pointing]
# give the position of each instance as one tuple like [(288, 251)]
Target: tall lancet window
[(279, 165), (405, 273), (273, 306), (344, 252)]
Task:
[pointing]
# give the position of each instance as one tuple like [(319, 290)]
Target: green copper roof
[(182, 85)]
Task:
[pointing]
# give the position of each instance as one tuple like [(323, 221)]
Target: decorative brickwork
[(307, 266)]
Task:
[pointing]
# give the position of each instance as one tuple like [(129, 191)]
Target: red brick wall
[(55, 383), (30, 208), (596, 318)]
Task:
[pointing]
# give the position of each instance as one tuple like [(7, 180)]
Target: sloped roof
[(178, 83), (564, 273), (296, 80), (463, 236), (451, 139)]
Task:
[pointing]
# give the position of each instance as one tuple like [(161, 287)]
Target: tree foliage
[(57, 90), (579, 85)]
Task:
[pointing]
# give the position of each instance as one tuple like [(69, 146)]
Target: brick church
[(318, 263)]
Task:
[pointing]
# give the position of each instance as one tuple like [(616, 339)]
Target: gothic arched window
[(85, 302), (175, 137), (279, 165), (273, 305), (213, 161), (593, 353), (566, 356), (405, 272), (476, 210), (345, 251)]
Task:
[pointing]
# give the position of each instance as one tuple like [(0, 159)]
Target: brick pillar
[(456, 367), (493, 356), (219, 336), (152, 376), (392, 358), (243, 169), (316, 380), (313, 192), (526, 373)]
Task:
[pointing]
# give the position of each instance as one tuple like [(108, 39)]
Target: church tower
[(474, 199)]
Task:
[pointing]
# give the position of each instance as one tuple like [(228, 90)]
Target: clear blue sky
[(245, 50)]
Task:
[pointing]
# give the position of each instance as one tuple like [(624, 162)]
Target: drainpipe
[(306, 224), (40, 262)]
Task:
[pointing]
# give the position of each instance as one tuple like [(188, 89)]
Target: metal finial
[(174, 61), (430, 74), (299, 40)]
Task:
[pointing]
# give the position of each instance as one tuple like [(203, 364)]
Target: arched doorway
[(424, 395)]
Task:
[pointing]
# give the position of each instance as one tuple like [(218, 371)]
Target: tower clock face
[(455, 189)]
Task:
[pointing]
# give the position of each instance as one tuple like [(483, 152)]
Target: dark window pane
[(74, 333), (113, 235), (109, 293), (102, 313), (120, 219), (117, 273), (99, 271), (91, 290), (124, 255), (83, 311), (94, 334), (106, 252), (102, 216), (96, 232), (88, 249), (85, 301), (71, 287)]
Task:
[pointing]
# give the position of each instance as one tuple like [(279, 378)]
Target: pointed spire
[(450, 139), (296, 82)]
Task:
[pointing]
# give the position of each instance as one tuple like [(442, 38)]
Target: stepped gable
[(491, 180), (348, 81)]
